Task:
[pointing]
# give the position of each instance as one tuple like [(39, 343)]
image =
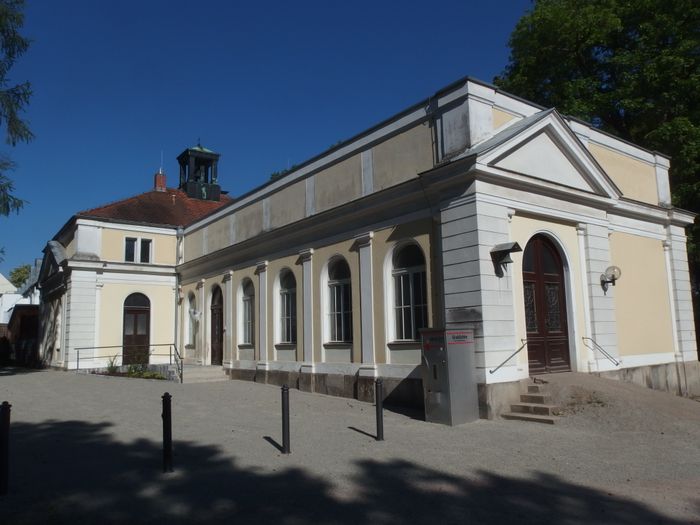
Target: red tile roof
[(170, 208)]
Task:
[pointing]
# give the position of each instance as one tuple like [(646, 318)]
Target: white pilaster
[(581, 237), (364, 246), (261, 270), (228, 317), (200, 350), (683, 302), (306, 257), (601, 303)]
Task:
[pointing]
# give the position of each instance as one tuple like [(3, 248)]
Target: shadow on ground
[(18, 370), (75, 472)]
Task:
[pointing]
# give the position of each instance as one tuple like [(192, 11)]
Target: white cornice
[(105, 266), (127, 227)]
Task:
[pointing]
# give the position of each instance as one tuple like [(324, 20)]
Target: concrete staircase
[(203, 374), (534, 406)]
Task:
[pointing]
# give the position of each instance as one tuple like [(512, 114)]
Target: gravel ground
[(87, 449)]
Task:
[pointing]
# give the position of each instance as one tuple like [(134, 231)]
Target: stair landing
[(203, 374)]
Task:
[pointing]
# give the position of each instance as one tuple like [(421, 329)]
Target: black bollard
[(167, 434), (4, 446), (379, 403), (285, 420)]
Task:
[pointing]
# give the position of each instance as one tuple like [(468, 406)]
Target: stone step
[(203, 374), (533, 408), (535, 398), (534, 389), (535, 418)]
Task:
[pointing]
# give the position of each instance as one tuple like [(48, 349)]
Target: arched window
[(288, 307), (137, 324), (248, 313), (410, 293), (339, 302)]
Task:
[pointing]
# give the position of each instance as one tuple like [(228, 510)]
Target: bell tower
[(198, 173)]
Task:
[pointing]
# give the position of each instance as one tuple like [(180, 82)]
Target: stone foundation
[(682, 379), (496, 398), (399, 392)]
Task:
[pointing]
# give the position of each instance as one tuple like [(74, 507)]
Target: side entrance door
[(137, 329), (545, 307), (217, 327)]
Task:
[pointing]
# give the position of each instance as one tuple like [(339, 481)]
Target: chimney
[(159, 181)]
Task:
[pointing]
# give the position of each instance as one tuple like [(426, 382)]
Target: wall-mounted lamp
[(612, 274), (500, 254)]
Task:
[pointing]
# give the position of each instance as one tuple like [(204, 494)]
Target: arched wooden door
[(137, 329), (545, 307), (217, 327)]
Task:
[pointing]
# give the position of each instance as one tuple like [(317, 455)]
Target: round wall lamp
[(612, 274)]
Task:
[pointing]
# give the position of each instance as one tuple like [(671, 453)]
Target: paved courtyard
[(87, 449)]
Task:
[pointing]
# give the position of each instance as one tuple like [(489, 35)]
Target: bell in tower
[(198, 173)]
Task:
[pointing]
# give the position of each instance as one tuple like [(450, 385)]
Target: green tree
[(631, 67), (13, 97), (19, 275)]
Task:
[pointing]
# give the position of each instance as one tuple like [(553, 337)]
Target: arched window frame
[(286, 308), (246, 313), (407, 299), (337, 304)]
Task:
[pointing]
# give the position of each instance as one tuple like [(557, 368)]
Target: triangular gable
[(547, 149), (51, 273)]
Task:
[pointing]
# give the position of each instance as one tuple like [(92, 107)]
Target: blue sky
[(266, 84)]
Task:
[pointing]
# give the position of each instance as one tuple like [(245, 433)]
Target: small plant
[(136, 370), (142, 371), (112, 365)]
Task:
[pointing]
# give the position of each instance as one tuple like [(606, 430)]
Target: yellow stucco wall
[(501, 117), (321, 258), (402, 157), (276, 351), (523, 228), (384, 241), (113, 242), (642, 301), (383, 245), (338, 184), (111, 314), (636, 179)]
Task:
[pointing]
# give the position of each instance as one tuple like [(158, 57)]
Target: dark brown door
[(137, 337), (217, 327), (545, 307)]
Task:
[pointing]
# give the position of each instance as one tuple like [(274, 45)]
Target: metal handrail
[(173, 352), (601, 350), (511, 356), (179, 363)]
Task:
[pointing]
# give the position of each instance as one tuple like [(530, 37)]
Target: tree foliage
[(631, 67), (13, 97), (19, 275)]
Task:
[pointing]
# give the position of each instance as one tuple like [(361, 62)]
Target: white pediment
[(540, 157), (546, 149)]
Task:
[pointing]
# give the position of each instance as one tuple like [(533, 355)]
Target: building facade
[(556, 243)]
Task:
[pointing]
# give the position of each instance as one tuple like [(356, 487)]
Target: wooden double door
[(217, 327), (137, 330), (545, 307)]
